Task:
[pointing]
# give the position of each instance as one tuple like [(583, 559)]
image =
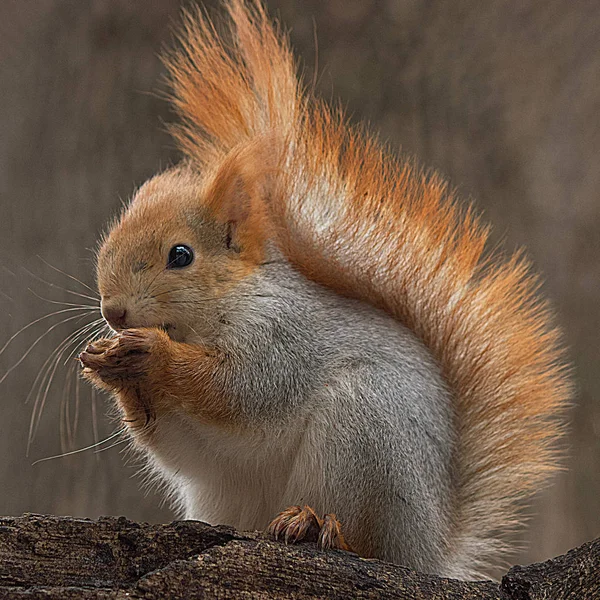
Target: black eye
[(180, 256)]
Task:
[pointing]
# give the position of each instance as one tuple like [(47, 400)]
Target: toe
[(281, 522), (303, 527), (88, 359), (95, 348), (296, 524), (330, 535)]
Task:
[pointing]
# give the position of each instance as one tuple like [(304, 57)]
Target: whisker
[(72, 338), (184, 289), (123, 441), (8, 271), (153, 280), (70, 277), (202, 300), (90, 306), (213, 299), (47, 374), (92, 329), (95, 334), (14, 335), (95, 420), (15, 365), (65, 401), (48, 371), (157, 275), (90, 334), (61, 424), (83, 329), (77, 403), (95, 298), (94, 445)]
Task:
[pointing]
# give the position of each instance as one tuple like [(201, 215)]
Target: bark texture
[(61, 557)]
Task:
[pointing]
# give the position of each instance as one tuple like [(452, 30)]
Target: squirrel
[(309, 335)]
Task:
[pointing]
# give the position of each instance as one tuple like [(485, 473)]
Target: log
[(62, 558)]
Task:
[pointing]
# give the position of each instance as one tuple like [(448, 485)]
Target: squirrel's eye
[(180, 256)]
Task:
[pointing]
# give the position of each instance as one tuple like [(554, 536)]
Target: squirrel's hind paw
[(298, 524)]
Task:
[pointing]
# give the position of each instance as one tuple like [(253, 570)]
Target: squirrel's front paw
[(112, 362)]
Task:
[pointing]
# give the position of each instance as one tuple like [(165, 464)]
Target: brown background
[(501, 96)]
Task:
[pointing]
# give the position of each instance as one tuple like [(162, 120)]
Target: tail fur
[(355, 219)]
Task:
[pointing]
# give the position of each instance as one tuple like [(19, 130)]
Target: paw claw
[(330, 535), (101, 346), (279, 525), (298, 524), (88, 360)]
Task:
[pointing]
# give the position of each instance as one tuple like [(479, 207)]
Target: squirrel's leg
[(297, 524), (149, 373)]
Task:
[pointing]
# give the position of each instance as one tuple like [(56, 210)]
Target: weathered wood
[(63, 558), (109, 552), (574, 576)]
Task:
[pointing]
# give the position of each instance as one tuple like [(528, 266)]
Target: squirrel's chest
[(220, 478)]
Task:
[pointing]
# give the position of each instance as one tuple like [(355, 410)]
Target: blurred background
[(502, 97)]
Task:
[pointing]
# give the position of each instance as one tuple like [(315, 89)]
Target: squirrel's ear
[(237, 194)]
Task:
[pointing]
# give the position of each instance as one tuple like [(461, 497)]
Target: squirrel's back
[(354, 219)]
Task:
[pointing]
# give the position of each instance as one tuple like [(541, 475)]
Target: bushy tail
[(355, 219)]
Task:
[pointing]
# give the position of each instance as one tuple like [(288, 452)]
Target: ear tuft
[(236, 196)]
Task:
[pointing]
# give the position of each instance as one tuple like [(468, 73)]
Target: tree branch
[(60, 557)]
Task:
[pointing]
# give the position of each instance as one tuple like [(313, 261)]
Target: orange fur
[(144, 364), (233, 195), (151, 216), (368, 225)]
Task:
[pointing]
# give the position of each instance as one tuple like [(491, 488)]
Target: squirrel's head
[(182, 246)]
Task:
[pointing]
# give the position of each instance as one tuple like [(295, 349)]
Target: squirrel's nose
[(115, 315)]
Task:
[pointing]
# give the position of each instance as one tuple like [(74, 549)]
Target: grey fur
[(346, 411)]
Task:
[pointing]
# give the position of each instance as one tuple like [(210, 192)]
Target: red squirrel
[(308, 335)]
